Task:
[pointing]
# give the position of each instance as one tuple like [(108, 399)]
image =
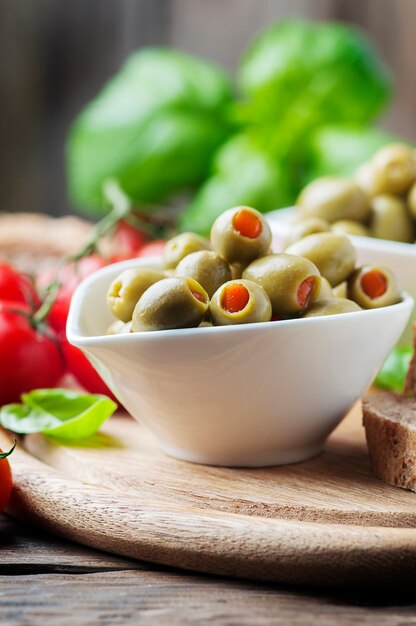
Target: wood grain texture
[(27, 550), (337, 486), (159, 599), (34, 589), (153, 522)]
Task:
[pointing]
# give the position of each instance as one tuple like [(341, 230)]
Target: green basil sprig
[(393, 372), (60, 413)]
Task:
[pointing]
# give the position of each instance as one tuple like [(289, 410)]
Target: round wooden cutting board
[(326, 521)]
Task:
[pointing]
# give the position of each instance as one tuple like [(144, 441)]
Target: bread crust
[(390, 425)]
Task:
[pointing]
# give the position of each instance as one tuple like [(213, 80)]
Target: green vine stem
[(121, 208), (3, 455)]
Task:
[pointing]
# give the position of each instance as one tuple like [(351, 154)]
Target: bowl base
[(245, 459)]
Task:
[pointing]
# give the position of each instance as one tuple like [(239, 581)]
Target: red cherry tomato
[(153, 248), (83, 371), (29, 358), (72, 273), (77, 362), (59, 313), (116, 258), (6, 483), (70, 276), (16, 287), (129, 240)]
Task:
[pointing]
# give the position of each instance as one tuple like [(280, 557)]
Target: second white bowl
[(399, 257)]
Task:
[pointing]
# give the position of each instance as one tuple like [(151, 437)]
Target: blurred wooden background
[(55, 55)]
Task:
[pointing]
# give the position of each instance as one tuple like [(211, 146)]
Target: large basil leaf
[(153, 127), (59, 412)]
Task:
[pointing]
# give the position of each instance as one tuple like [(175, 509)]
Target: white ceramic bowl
[(399, 257), (249, 395)]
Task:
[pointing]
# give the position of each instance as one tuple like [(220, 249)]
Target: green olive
[(207, 268), (335, 306), (373, 286), (128, 287), (390, 219), (332, 199), (291, 282), (240, 302), (119, 328), (171, 303), (393, 169), (324, 291), (303, 228), (350, 227), (334, 255), (180, 246), (237, 270), (411, 200), (365, 179), (340, 291), (240, 235)]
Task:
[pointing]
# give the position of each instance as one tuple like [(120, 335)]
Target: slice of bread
[(390, 425)]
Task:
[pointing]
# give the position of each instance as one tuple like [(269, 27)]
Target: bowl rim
[(79, 339), (387, 245)]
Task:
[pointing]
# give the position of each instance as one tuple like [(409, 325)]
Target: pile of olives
[(380, 202), (234, 278)]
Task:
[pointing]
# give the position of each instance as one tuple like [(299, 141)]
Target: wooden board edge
[(211, 542)]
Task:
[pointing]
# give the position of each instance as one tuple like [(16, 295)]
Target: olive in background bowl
[(244, 395), (399, 257)]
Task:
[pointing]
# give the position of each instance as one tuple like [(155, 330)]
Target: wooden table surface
[(45, 580)]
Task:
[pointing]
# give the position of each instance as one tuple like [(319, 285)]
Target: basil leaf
[(154, 127), (394, 370), (339, 150), (23, 420), (297, 75), (243, 173), (58, 412)]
